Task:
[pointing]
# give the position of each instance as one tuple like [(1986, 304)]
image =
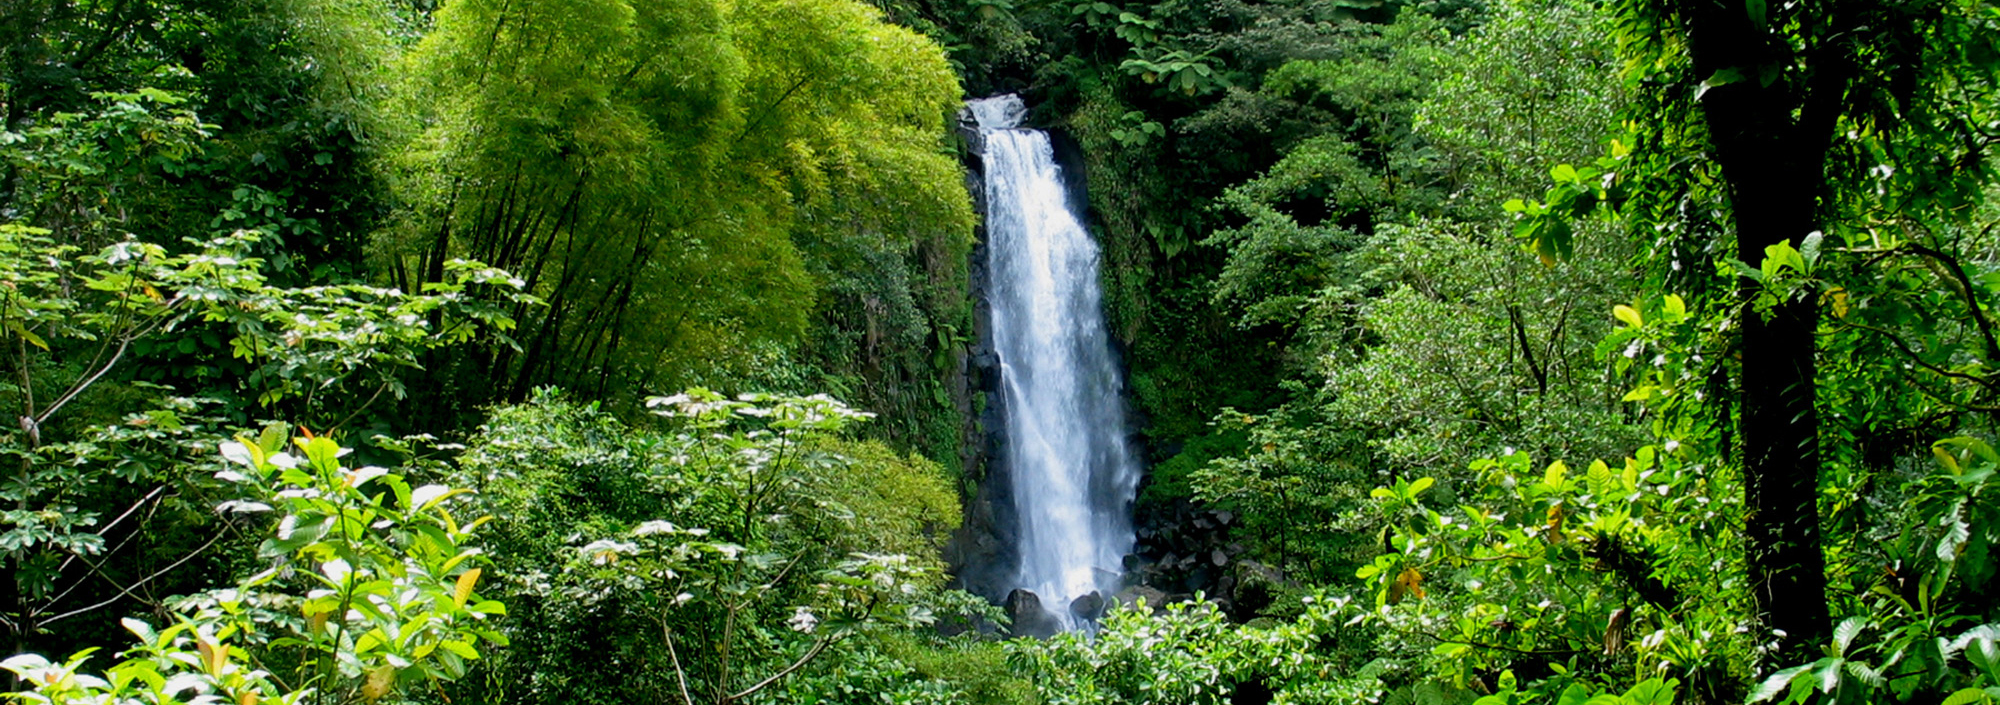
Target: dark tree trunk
[(1774, 162)]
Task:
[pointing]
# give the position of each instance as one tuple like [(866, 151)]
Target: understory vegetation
[(1489, 352)]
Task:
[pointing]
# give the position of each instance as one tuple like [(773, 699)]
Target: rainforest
[(999, 352)]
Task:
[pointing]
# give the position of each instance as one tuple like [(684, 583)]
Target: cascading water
[(1073, 472)]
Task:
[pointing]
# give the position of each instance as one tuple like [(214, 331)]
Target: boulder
[(1030, 619), (1255, 588), (1088, 607), (1129, 597)]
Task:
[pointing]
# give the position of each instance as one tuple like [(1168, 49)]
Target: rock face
[(982, 554), (1029, 617)]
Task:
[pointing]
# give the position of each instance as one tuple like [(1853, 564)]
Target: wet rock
[(1200, 578), (1224, 588), (1088, 607), (1130, 597), (1030, 619), (968, 130)]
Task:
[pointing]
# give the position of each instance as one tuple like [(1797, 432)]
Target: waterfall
[(1073, 473)]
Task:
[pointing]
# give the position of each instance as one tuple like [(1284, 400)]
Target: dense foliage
[(1485, 351)]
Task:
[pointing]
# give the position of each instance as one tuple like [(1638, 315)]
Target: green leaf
[(139, 629), (461, 648), (1964, 696), (1554, 475), (1599, 473), (1785, 256), (1550, 237), (1866, 674), (1828, 671), (1756, 10), (1575, 694), (370, 641), (1720, 78), (428, 496), (27, 335), (1776, 684), (1844, 633), (1957, 533), (1810, 246), (1651, 691)]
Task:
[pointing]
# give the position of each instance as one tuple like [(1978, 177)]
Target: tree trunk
[(1775, 167)]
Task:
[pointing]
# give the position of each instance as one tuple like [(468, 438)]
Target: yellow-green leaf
[(461, 648), (1628, 315), (1945, 458), (1674, 305), (379, 682), (28, 335), (1964, 696), (463, 589)]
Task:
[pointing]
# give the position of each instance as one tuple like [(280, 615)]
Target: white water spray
[(1072, 470)]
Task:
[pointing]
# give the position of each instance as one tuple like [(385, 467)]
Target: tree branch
[(773, 107), (1965, 290), (100, 533), (124, 343), (808, 656), (1990, 384), (135, 586), (679, 673)]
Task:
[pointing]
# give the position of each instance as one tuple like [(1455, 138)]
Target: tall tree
[(1800, 111)]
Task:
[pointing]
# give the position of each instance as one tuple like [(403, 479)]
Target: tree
[(1425, 335), (1798, 125), (659, 172), (79, 297)]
